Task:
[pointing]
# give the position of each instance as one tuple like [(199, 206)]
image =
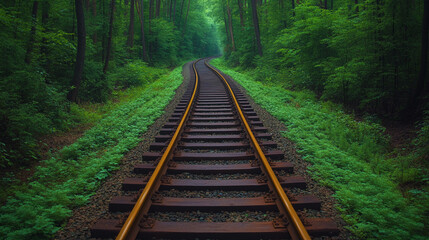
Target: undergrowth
[(68, 179), (349, 157)]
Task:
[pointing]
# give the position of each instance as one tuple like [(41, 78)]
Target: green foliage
[(134, 73), (422, 140), (348, 156), (166, 40), (29, 108), (364, 54), (95, 87), (38, 58), (69, 179)]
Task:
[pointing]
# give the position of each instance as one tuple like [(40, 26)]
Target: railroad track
[(213, 157)]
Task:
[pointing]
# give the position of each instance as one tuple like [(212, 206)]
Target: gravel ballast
[(84, 217), (78, 226)]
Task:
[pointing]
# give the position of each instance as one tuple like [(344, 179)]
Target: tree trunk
[(80, 55), (293, 8), (226, 25), (282, 13), (143, 39), (181, 9), (332, 4), (103, 35), (109, 38), (32, 32), (171, 10), (158, 8), (326, 4), (165, 9), (231, 31), (256, 27), (45, 16), (150, 14), (240, 8), (94, 14), (150, 9), (130, 40), (181, 13), (186, 18), (174, 12), (414, 100)]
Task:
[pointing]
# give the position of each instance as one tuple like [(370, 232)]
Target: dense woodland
[(333, 71), (58, 52), (370, 55)]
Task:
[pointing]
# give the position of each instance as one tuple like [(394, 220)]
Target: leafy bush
[(29, 108), (349, 157), (69, 179), (165, 38), (134, 73), (95, 86), (422, 140)]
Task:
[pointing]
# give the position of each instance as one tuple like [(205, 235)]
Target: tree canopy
[(58, 50)]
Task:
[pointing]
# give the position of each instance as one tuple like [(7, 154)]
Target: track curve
[(214, 141)]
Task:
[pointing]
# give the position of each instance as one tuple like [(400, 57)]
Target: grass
[(348, 156), (68, 179)]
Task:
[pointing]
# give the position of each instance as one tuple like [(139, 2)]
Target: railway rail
[(213, 131)]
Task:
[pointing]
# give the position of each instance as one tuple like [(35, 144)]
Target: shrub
[(134, 73), (347, 156), (68, 180), (29, 108)]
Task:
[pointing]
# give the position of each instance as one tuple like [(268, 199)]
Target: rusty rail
[(210, 112), (129, 227), (292, 215)]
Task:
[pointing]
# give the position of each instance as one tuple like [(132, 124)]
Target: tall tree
[(143, 39), (414, 100), (32, 32), (225, 21), (240, 9), (109, 37), (94, 14), (256, 27), (150, 11), (174, 11), (293, 8), (158, 8), (130, 40), (231, 31), (282, 14), (80, 55), (45, 17), (181, 12), (170, 9), (186, 18)]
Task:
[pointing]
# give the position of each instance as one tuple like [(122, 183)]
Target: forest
[(56, 53), (70, 64)]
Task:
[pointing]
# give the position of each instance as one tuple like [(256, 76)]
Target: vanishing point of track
[(213, 130)]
